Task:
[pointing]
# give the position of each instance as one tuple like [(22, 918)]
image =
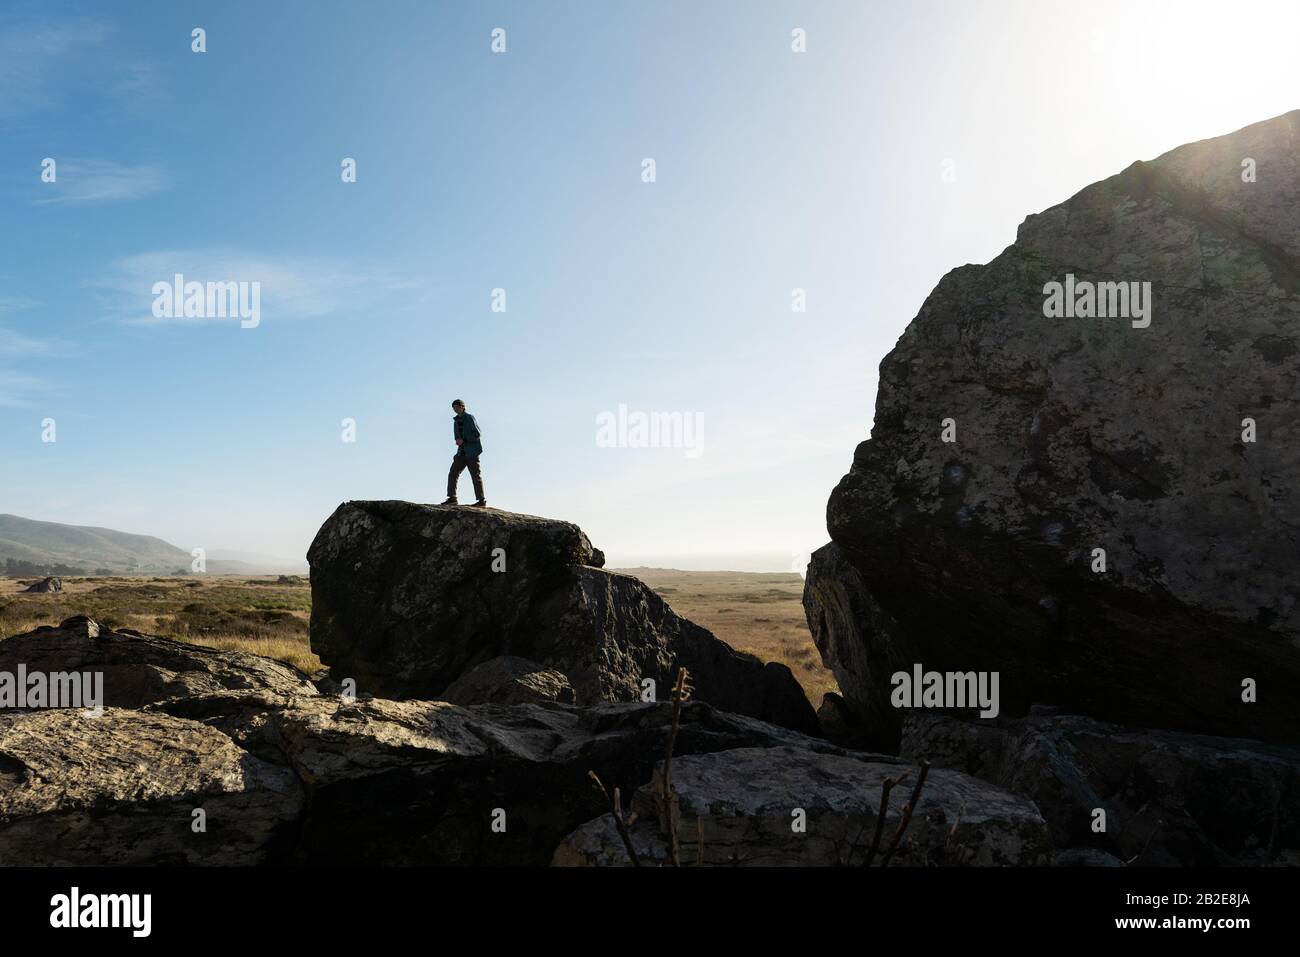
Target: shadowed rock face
[(419, 782), (1080, 433), (509, 680), (1169, 798), (736, 810), (408, 598)]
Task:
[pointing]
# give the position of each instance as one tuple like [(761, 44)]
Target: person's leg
[(453, 476), (477, 478)]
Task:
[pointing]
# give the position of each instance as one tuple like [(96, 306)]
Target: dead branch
[(616, 811), (888, 785), (907, 813), (1270, 855), (667, 797)]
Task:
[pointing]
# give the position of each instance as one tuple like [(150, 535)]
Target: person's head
[(458, 406)]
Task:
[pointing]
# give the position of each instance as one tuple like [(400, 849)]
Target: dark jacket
[(464, 427)]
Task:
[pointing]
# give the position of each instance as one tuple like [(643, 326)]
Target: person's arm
[(473, 426)]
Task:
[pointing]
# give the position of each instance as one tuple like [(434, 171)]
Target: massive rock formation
[(1070, 435), (408, 598)]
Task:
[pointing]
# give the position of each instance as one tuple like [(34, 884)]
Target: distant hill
[(30, 547)]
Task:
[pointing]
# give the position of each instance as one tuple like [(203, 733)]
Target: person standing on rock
[(468, 448)]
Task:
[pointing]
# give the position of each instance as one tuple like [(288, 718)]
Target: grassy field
[(259, 615), (758, 613)]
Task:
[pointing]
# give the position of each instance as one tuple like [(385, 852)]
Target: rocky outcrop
[(1009, 446), (142, 669), (1168, 798), (793, 807), (286, 775), (45, 585), (123, 788), (408, 598)]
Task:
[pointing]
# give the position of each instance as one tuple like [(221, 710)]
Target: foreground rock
[(1076, 434), (142, 669), (408, 598), (287, 775), (1169, 799), (121, 788), (737, 808), (420, 782)]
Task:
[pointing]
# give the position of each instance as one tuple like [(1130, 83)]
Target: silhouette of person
[(468, 448)]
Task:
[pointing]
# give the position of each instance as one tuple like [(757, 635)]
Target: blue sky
[(775, 170)]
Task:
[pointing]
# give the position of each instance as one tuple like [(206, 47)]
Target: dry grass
[(259, 615), (758, 613)]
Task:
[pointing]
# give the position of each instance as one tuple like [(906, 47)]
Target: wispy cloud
[(18, 388), (32, 56), (291, 288), (102, 181), (16, 344), (43, 66), (10, 304), (139, 84)]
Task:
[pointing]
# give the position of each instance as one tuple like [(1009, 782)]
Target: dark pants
[(458, 465)]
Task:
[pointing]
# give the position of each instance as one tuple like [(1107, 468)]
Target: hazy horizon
[(479, 171)]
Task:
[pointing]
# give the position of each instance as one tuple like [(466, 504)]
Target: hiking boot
[(451, 501), (481, 503)]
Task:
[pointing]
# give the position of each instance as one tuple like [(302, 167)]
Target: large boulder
[(45, 585), (1070, 435), (794, 807), (408, 598), (1169, 799), (122, 788), (142, 669)]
